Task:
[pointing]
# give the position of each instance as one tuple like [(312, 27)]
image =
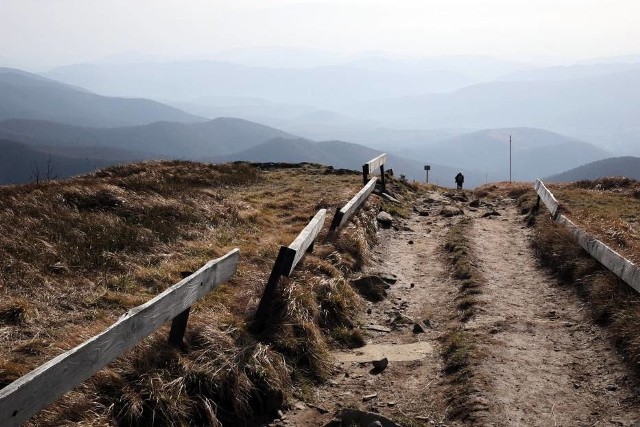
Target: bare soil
[(539, 359)]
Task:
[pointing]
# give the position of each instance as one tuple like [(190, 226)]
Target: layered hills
[(29, 96), (626, 166)]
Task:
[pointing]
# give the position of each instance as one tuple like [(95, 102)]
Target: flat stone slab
[(393, 352)]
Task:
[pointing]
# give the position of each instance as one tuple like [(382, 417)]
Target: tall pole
[(509, 158)]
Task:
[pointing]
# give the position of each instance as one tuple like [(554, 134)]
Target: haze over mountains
[(28, 96), (454, 113)]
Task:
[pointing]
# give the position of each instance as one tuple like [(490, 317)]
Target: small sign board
[(427, 167)]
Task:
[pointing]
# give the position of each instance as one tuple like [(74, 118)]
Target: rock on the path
[(377, 328), (461, 197), (356, 417), (490, 213), (401, 319), (421, 327), (388, 277), (385, 219), (449, 211), (372, 288), (379, 365), (434, 197), (421, 211), (474, 203)]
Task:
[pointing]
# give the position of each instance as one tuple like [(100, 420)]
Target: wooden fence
[(372, 167), (342, 215), (616, 263), (27, 395), (288, 258), (24, 397)]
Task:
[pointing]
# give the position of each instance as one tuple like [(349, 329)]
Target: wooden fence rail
[(545, 195), (342, 216), (288, 258), (371, 168), (27, 395), (612, 260)]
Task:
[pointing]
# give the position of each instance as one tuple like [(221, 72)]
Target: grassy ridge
[(92, 247)]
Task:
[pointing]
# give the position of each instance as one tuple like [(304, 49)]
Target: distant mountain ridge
[(325, 86), (535, 152), (194, 141), (346, 155), (29, 96), (627, 166), (594, 108)]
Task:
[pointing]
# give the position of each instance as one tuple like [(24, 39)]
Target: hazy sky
[(42, 33)]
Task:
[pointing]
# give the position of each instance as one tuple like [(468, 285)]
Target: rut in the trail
[(543, 363)]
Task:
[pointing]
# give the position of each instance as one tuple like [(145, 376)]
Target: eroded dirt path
[(540, 360), (546, 363)]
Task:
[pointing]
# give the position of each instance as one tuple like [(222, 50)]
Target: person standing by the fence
[(459, 180)]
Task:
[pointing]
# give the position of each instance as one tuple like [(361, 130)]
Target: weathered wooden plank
[(373, 165), (547, 197), (616, 263), (299, 246), (27, 395), (343, 215)]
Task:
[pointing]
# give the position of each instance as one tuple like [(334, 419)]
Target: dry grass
[(92, 247), (608, 208)]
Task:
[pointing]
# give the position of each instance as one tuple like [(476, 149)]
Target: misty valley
[(454, 113)]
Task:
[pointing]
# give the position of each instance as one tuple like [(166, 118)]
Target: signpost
[(427, 168)]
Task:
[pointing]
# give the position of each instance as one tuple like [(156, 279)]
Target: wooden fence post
[(288, 258), (262, 313), (178, 328)]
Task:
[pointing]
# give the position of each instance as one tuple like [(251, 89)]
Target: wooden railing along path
[(27, 395), (372, 167), (612, 260), (24, 397)]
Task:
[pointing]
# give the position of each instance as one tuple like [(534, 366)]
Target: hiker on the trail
[(459, 180)]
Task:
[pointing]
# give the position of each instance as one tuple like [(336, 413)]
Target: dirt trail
[(546, 363), (541, 361)]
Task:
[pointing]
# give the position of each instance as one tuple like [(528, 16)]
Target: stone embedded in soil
[(380, 364), (369, 396), (372, 288), (356, 417), (490, 213), (377, 328), (401, 319), (449, 211), (389, 278), (385, 219), (474, 203)]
